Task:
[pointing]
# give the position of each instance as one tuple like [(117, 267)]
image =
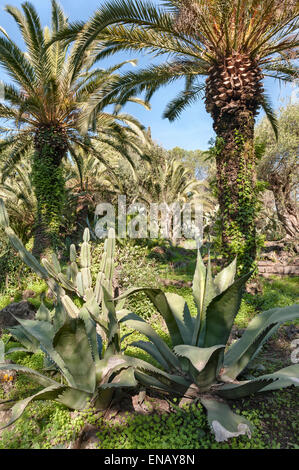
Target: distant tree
[(279, 166)]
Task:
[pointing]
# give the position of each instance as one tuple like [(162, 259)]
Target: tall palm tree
[(53, 107), (234, 44)]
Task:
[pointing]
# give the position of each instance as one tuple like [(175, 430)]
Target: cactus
[(77, 280), (69, 335)]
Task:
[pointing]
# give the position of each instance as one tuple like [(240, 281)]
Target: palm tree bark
[(47, 175), (233, 96), (236, 184)]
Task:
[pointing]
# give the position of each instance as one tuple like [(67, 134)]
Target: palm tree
[(234, 44), (54, 107)]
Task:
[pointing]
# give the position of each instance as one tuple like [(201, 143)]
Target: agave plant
[(201, 364), (69, 335)]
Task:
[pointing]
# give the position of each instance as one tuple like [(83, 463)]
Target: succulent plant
[(201, 365), (88, 366)]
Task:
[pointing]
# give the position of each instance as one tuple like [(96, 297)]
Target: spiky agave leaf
[(258, 331), (132, 320), (204, 363)]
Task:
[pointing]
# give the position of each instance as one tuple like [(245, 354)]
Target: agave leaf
[(59, 316), (49, 393), (43, 314), (90, 327), (199, 282), (111, 363), (95, 311), (199, 357), (44, 333), (4, 219), (134, 321), (182, 316), (22, 336), (198, 287), (205, 363), (13, 350), (125, 378), (159, 300), (223, 422), (150, 381), (221, 313), (71, 343), (259, 329), (283, 378), (178, 382), (151, 349), (243, 389), (226, 277), (73, 398), (26, 256), (39, 378)]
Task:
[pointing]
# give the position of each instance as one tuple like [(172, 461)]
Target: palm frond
[(270, 113)]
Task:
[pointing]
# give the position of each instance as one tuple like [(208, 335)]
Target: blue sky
[(192, 131)]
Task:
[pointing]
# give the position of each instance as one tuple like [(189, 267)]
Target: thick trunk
[(233, 95), (48, 182), (236, 183), (287, 211)]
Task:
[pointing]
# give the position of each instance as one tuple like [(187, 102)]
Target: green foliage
[(276, 293), (48, 182)]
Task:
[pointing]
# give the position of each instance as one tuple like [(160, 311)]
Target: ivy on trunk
[(47, 177)]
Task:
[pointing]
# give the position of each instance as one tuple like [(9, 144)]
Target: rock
[(23, 310), (87, 438), (28, 294)]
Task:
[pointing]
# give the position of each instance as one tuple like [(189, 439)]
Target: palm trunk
[(236, 184), (48, 182), (233, 95)]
